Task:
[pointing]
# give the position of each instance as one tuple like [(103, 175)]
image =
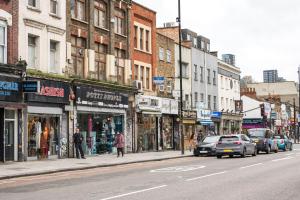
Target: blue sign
[(10, 89), (31, 86), (158, 80), (216, 114)]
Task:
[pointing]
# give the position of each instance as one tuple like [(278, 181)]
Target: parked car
[(263, 139), (283, 142), (232, 145), (207, 146)]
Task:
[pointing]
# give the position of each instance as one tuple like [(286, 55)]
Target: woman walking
[(120, 143)]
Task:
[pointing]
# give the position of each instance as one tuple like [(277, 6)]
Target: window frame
[(99, 61), (35, 50), (161, 54), (101, 7), (76, 10), (77, 55), (3, 24), (35, 3), (119, 24), (55, 67), (56, 9)]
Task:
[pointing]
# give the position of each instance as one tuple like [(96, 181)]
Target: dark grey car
[(207, 146), (235, 145)]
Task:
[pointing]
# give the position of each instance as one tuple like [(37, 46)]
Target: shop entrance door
[(9, 131)]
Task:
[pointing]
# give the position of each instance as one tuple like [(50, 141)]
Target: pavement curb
[(88, 167)]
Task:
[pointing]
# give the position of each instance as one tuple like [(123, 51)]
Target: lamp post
[(298, 103), (180, 74)]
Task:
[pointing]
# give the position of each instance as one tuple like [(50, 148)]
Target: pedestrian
[(120, 143), (77, 139)]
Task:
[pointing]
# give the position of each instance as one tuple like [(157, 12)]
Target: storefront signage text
[(147, 103), (52, 91), (10, 89), (31, 86), (189, 114)]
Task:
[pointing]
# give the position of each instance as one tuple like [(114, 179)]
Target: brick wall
[(12, 31)]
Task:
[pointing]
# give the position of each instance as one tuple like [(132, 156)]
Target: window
[(208, 76), (147, 78), (78, 9), (142, 76), (168, 56), (188, 37), (195, 73), (32, 51), (119, 21), (147, 40), (202, 97), (196, 99), (208, 47), (54, 56), (100, 14), (201, 74), (32, 3), (141, 39), (227, 103), (136, 72), (214, 78), (222, 82), (195, 42), (202, 44), (161, 53), (185, 72), (53, 7), (120, 55), (78, 47), (3, 43), (209, 101), (215, 103), (135, 36), (222, 102), (100, 61)]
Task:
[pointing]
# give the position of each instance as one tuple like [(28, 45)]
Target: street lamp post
[(180, 74)]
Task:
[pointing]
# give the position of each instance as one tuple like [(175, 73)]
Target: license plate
[(227, 150), (203, 152)]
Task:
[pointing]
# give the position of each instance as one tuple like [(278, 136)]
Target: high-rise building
[(270, 76), (229, 59)]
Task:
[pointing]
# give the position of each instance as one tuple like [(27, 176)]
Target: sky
[(262, 34)]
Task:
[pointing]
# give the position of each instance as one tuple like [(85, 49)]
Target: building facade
[(270, 76), (229, 98)]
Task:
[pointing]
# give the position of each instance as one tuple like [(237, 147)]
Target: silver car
[(235, 145)]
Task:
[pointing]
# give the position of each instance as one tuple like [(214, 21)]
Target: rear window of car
[(229, 139), (211, 139), (257, 133)]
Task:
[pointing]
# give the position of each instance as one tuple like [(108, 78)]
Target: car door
[(247, 143)]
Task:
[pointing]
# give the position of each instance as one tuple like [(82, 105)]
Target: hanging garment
[(38, 127)]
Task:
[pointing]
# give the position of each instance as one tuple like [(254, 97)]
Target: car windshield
[(278, 137), (211, 139), (257, 133), (229, 139)]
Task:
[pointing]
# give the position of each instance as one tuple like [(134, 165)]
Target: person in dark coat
[(78, 138)]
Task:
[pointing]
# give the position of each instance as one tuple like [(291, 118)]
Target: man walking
[(78, 138), (120, 143)]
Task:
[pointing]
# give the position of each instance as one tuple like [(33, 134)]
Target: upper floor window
[(78, 9), (201, 75), (32, 51), (185, 71), (215, 102), (54, 56), (136, 72), (119, 22), (100, 60), (78, 47), (168, 56), (100, 11), (147, 41), (214, 77), (195, 73), (141, 39), (209, 102), (202, 44), (208, 76), (32, 3), (3, 42), (54, 7), (196, 99), (202, 97), (135, 36), (161, 53)]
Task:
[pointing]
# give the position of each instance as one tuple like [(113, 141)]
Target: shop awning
[(206, 122), (151, 113)]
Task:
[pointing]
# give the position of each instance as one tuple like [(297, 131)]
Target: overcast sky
[(263, 34)]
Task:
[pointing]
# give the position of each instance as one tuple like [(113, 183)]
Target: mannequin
[(38, 131)]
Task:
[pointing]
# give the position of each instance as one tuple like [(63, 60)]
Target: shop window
[(78, 9), (100, 61), (78, 47), (3, 42), (100, 14), (119, 22)]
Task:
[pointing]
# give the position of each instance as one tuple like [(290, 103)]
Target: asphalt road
[(264, 177)]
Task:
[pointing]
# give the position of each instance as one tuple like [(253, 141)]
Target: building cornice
[(55, 30), (34, 24)]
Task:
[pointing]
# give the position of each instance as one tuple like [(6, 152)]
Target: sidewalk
[(29, 168)]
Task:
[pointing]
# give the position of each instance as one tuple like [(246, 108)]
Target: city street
[(273, 176)]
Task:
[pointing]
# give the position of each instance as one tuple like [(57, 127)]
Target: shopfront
[(189, 119), (100, 115), (148, 126), (10, 118), (206, 125), (232, 123), (46, 120), (168, 125)]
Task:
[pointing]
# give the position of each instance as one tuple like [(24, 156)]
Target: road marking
[(178, 168), (289, 154), (287, 158), (136, 192), (205, 176), (245, 167)]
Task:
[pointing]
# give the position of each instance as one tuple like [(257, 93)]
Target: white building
[(229, 97), (42, 34)]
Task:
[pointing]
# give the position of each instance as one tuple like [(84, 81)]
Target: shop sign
[(189, 114), (10, 89), (216, 115), (51, 92), (148, 103), (252, 121), (94, 96), (169, 106), (158, 80), (31, 86), (203, 114)]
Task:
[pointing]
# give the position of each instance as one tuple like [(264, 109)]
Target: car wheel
[(255, 152), (268, 149), (291, 147), (243, 155), (219, 156)]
